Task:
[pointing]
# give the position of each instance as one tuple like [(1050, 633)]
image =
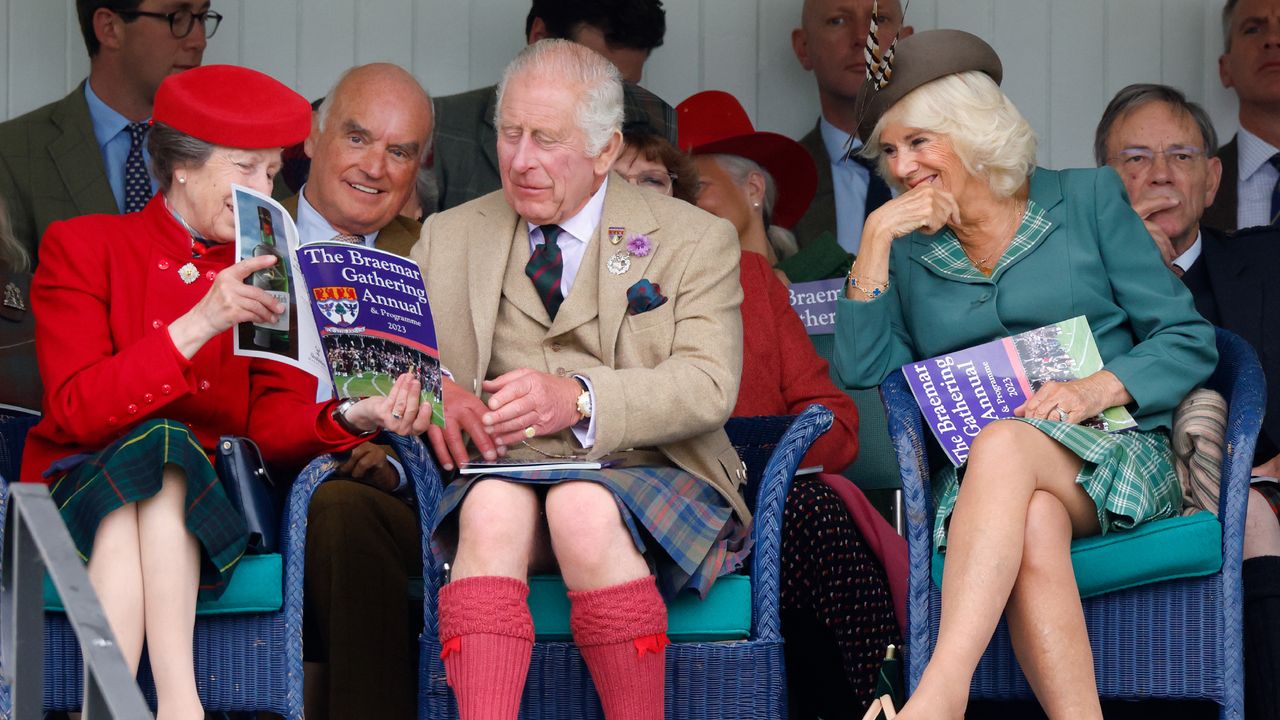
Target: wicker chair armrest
[(1238, 377)]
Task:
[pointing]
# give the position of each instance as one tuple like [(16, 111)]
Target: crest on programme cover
[(338, 304)]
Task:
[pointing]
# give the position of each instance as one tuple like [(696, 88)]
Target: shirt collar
[(1188, 258), (1254, 153), (583, 225), (836, 140), (107, 123), (312, 227)]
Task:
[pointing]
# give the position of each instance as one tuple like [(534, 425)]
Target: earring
[(755, 205), (182, 180)]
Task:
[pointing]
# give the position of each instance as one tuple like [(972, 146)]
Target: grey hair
[(171, 148), (1135, 96), (600, 110), (739, 169), (12, 254), (1228, 11)]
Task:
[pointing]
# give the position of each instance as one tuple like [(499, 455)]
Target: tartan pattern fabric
[(545, 268), (1271, 493), (642, 111), (947, 256), (643, 297), (1129, 475), (129, 470), (137, 183), (692, 525)]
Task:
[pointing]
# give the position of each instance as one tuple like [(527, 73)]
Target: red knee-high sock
[(622, 633), (486, 633)]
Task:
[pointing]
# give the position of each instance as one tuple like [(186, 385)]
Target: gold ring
[(396, 415), (1063, 415), (529, 432)]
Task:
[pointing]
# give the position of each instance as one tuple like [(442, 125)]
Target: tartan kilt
[(129, 470), (1129, 476), (677, 521)]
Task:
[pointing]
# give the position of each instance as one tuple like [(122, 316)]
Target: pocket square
[(643, 297)]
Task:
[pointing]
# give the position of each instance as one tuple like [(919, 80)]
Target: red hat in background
[(233, 106), (713, 122)]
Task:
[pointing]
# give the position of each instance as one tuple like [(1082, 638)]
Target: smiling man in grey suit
[(86, 153), (602, 323)]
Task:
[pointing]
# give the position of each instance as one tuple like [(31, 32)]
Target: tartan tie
[(545, 267), (1275, 191), (137, 183)]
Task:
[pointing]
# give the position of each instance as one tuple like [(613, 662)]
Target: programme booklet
[(369, 319), (960, 393)]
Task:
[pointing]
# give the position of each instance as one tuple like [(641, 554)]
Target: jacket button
[(166, 389), (560, 371), (204, 384), (210, 276), (133, 409), (163, 264), (148, 398), (555, 346), (156, 324), (112, 420)]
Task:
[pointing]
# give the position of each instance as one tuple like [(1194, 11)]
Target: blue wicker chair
[(734, 679), (244, 663), (1176, 639)]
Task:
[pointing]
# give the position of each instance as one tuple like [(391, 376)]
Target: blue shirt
[(110, 130), (850, 182), (1257, 179)]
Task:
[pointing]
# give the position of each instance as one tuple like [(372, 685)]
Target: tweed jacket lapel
[(625, 207), (488, 247), (77, 159), (521, 292)]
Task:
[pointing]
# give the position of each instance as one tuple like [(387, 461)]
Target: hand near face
[(462, 413), (924, 207), (229, 302), (1078, 399), (1149, 206), (527, 398)]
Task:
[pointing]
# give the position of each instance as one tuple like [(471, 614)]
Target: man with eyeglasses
[(87, 153), (1163, 146)]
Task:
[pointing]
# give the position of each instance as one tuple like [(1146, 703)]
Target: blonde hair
[(989, 135), (12, 254)]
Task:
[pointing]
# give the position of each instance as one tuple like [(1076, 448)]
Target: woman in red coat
[(132, 319)]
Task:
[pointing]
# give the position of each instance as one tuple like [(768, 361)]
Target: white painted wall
[(1063, 58)]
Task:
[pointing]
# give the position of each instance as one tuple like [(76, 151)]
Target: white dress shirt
[(1257, 179), (1189, 258)]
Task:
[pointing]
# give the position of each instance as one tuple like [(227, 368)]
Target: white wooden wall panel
[(1063, 58)]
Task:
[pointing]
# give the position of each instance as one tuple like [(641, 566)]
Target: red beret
[(234, 107)]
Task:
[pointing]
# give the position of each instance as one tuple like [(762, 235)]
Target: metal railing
[(36, 540)]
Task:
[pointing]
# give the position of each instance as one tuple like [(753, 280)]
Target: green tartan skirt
[(129, 470), (1129, 475)]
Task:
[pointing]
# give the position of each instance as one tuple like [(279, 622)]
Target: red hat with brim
[(234, 107), (713, 122)]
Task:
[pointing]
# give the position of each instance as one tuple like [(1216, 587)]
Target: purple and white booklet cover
[(960, 393)]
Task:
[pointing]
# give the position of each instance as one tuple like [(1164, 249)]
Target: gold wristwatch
[(584, 400)]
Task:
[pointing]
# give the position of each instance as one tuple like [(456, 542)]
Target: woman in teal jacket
[(980, 244)]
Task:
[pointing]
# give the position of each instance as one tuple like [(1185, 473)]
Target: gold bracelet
[(871, 290)]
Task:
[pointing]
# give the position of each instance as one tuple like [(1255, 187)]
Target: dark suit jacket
[(466, 146), (51, 168), (1221, 215), (821, 215), (1234, 285)]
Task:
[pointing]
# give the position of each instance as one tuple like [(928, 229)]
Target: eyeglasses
[(1180, 158), (653, 180), (181, 22)]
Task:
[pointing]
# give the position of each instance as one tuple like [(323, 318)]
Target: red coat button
[(156, 324), (148, 398), (133, 409), (163, 265), (166, 389), (112, 420), (210, 276), (204, 384)]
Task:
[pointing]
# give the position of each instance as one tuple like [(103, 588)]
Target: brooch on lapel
[(616, 234), (13, 296), (637, 246), (188, 273)]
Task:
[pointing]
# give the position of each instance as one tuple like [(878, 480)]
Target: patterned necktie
[(137, 183), (878, 192), (1275, 191), (545, 268), (352, 239)]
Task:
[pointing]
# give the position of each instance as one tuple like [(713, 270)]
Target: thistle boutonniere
[(638, 245)]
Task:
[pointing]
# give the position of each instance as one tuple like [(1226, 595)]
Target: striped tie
[(545, 267), (1275, 191)]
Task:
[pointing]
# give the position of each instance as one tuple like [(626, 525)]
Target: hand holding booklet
[(960, 393), (369, 318)]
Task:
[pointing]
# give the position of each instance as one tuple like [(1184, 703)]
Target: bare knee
[(588, 533), (1261, 528), (1046, 543), (496, 529)]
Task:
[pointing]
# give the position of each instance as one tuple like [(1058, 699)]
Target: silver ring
[(396, 415), (1062, 415), (529, 432)]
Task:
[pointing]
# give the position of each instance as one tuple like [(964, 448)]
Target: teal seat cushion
[(724, 615), (257, 586), (1169, 549)]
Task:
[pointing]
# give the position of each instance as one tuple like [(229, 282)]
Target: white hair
[(739, 169), (989, 135), (600, 111)]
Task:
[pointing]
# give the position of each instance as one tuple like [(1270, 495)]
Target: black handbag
[(249, 487)]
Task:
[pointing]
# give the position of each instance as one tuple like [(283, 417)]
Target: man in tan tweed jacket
[(632, 354)]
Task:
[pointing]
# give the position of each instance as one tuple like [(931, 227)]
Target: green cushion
[(257, 586), (724, 615), (1168, 549)]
